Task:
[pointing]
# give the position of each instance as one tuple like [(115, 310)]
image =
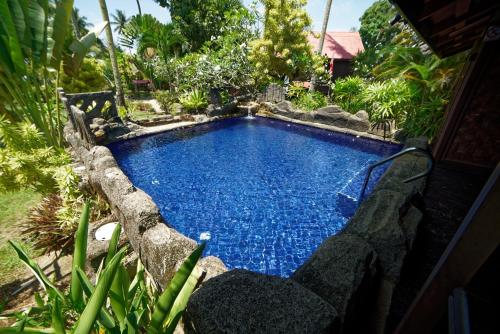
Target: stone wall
[(329, 115)]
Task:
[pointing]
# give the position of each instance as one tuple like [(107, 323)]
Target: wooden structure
[(340, 48), (469, 139)]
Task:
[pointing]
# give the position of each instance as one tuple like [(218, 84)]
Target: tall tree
[(375, 28), (120, 98), (284, 44), (199, 21), (80, 23), (139, 7), (119, 20), (326, 17)]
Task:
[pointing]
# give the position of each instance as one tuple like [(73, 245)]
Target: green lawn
[(14, 208)]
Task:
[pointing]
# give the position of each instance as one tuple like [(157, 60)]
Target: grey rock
[(285, 105), (377, 221), (330, 109), (363, 115), (137, 213), (420, 142), (163, 250), (341, 271), (241, 301), (410, 223), (100, 135), (98, 121), (212, 266), (341, 119), (94, 127), (115, 184)]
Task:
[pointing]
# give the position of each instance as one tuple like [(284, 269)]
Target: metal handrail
[(394, 156)]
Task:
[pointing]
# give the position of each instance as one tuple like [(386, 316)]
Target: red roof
[(338, 45)]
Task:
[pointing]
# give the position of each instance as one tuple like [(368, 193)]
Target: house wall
[(341, 68), (471, 132)]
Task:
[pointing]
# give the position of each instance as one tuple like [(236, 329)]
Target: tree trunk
[(120, 99), (139, 7), (326, 17), (75, 25)]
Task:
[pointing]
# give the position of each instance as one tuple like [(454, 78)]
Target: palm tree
[(120, 99), (80, 24), (139, 7), (322, 37), (119, 20)]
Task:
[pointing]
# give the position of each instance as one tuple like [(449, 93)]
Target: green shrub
[(26, 161), (347, 93), (388, 100), (90, 78), (194, 100), (295, 90), (166, 99), (311, 101), (115, 304)]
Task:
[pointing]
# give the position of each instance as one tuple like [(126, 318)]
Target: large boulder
[(331, 109), (241, 301), (163, 250), (341, 271), (333, 115), (377, 221)]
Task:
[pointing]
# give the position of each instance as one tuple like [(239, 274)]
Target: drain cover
[(105, 232)]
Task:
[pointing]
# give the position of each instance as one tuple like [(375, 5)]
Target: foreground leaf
[(80, 255), (166, 301), (37, 271), (98, 298)]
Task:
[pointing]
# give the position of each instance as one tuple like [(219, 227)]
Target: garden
[(212, 53)]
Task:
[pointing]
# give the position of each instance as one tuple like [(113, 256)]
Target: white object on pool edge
[(105, 232), (205, 236)]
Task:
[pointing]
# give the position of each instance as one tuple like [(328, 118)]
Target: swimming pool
[(263, 193)]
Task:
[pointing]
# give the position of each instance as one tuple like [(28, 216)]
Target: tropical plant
[(199, 21), (286, 26), (25, 159), (166, 99), (150, 38), (295, 90), (80, 24), (194, 100), (429, 78), (310, 101), (134, 305), (89, 78), (34, 43), (347, 93), (119, 20), (387, 101)]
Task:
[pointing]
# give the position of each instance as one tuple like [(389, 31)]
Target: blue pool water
[(265, 192)]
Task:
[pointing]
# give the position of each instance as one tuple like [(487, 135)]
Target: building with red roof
[(340, 48)]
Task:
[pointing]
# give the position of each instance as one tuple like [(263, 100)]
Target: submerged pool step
[(347, 197)]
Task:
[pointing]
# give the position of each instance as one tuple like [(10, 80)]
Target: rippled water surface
[(265, 193)]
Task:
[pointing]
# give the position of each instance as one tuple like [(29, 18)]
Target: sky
[(343, 15)]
